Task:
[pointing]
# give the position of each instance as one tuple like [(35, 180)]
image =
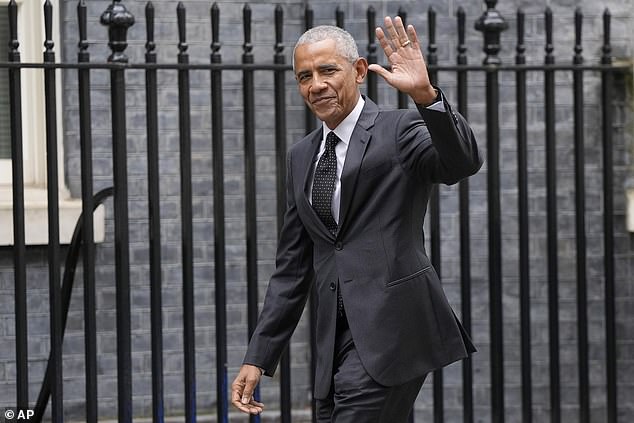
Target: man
[(357, 193)]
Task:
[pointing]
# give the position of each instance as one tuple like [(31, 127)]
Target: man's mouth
[(321, 100)]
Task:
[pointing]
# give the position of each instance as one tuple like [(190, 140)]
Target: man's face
[(328, 82)]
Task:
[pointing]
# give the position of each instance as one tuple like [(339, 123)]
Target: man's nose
[(318, 83)]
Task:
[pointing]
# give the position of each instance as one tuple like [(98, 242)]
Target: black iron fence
[(117, 19)]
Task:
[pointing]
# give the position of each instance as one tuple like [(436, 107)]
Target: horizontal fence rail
[(490, 79)]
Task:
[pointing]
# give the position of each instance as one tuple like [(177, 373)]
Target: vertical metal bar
[(118, 19), (154, 218), (310, 124), (88, 241), (607, 82), (19, 240), (402, 98), (222, 400), (465, 230), (551, 222), (580, 221), (492, 24), (495, 243), (54, 254), (250, 182), (189, 347), (372, 77), (522, 186), (339, 17), (280, 174), (434, 215), (309, 118)]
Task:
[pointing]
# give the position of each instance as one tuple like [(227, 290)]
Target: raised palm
[(408, 70)]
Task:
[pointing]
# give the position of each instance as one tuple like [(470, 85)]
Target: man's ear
[(361, 66)]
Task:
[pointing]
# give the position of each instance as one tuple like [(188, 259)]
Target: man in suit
[(357, 193)]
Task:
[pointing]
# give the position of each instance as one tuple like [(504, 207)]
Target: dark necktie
[(324, 183), (323, 189)]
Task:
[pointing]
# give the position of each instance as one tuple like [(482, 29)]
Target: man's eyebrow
[(326, 66)]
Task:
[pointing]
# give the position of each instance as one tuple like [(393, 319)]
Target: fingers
[(396, 32), (413, 37), (396, 36), (385, 44), (380, 70), (242, 390)]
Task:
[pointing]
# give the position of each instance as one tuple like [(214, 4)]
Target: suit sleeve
[(440, 147), (288, 289)]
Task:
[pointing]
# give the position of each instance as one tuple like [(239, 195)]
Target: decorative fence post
[(491, 24), (19, 237), (53, 248), (220, 275), (117, 18)]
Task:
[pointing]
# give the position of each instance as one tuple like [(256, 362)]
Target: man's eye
[(303, 78)]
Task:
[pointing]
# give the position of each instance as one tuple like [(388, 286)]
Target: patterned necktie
[(324, 183)]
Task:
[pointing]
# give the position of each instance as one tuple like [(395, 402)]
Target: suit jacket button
[(338, 246), (333, 286)]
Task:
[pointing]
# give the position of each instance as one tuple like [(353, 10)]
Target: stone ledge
[(36, 217)]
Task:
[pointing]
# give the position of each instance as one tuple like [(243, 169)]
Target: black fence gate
[(492, 76)]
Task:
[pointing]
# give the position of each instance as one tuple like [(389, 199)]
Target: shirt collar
[(346, 127)]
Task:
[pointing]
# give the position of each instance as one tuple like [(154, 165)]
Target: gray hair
[(346, 45)]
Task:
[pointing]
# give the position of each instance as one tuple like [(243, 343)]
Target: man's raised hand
[(408, 70)]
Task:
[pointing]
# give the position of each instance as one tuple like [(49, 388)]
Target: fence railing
[(118, 19)]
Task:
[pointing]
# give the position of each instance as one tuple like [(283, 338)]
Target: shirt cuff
[(438, 106)]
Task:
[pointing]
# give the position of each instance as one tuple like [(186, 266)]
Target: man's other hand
[(243, 387)]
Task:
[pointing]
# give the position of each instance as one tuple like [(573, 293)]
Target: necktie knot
[(331, 141)]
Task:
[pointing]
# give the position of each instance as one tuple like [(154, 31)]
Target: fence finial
[(118, 19), (13, 31), (491, 24)]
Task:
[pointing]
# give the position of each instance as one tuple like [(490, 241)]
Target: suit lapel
[(356, 151)]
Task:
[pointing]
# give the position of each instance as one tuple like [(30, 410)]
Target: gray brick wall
[(199, 35)]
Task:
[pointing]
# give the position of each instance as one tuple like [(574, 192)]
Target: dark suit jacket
[(399, 317)]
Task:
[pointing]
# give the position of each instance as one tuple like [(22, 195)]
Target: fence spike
[(13, 28), (83, 26), (48, 26), (462, 48), (309, 15), (432, 57), (181, 16), (215, 33), (606, 57), (578, 58), (549, 48), (149, 27), (247, 47), (372, 58), (339, 17), (279, 33), (371, 16), (520, 56)]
